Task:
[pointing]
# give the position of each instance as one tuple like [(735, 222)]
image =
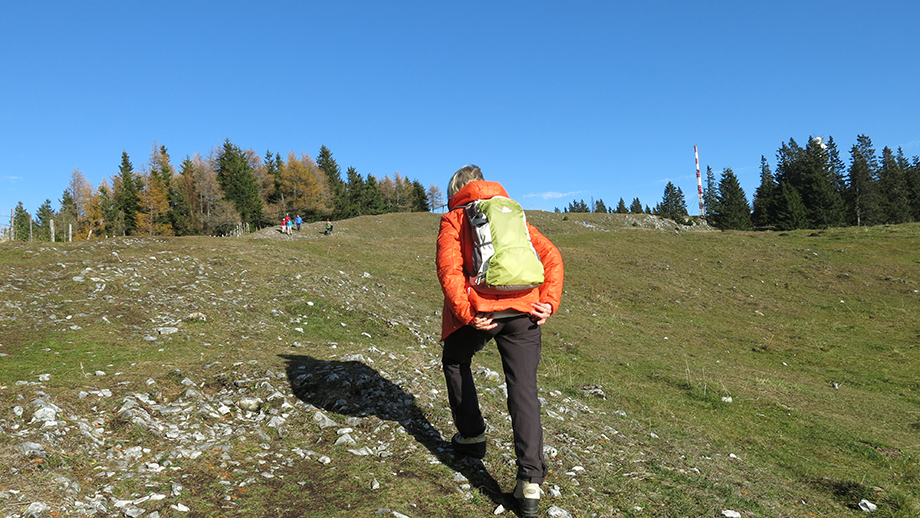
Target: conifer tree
[(235, 175), (354, 194), (372, 198), (621, 207), (187, 202), (673, 205), (181, 215), (43, 217), (419, 197), (636, 206), (111, 223), (823, 204), (22, 223), (913, 187), (600, 206), (765, 197), (333, 178), (862, 196), (67, 213), (731, 210), (710, 192), (126, 193), (790, 213), (577, 206), (272, 183), (892, 183), (837, 168)]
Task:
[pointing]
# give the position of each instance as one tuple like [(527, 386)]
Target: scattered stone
[(867, 506), (728, 513), (558, 512), (323, 421), (249, 404), (32, 449), (36, 509)]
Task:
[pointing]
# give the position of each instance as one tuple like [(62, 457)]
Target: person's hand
[(483, 322), (541, 311)]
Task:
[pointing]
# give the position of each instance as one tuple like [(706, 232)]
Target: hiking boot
[(527, 495), (470, 446)]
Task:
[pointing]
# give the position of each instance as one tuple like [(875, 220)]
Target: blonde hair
[(464, 175)]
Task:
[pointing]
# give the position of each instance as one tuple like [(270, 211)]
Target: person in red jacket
[(470, 319)]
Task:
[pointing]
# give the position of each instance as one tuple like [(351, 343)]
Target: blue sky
[(559, 101)]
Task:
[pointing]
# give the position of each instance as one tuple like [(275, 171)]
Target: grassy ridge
[(769, 373)]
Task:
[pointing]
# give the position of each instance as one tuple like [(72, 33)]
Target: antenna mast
[(699, 181)]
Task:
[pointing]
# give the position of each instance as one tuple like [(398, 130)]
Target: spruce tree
[(673, 205), (334, 179), (599, 206), (43, 217), (126, 193), (636, 206), (621, 207), (731, 210), (236, 179), (22, 223), (790, 213), (273, 173), (892, 183), (765, 201), (181, 217), (710, 192), (354, 194), (112, 222), (913, 187), (372, 199), (822, 200), (419, 197), (862, 197)]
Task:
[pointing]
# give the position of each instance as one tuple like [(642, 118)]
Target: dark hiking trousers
[(519, 342)]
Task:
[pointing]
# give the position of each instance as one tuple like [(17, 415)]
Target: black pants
[(519, 343)]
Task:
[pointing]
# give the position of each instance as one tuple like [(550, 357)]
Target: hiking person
[(298, 221), (328, 227), (284, 222), (512, 319), (290, 226)]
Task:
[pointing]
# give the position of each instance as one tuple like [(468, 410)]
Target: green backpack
[(504, 259)]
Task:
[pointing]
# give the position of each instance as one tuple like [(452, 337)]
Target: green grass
[(813, 335)]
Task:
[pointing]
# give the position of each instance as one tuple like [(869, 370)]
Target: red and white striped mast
[(699, 181)]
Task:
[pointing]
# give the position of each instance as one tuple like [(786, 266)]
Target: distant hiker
[(328, 228), (290, 226), (513, 319), (298, 221), (284, 222)]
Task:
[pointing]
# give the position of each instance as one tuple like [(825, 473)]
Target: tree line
[(214, 195), (812, 187)]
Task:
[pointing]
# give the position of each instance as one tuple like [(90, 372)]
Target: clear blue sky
[(559, 101)]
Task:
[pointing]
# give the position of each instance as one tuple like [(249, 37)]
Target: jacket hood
[(476, 190)]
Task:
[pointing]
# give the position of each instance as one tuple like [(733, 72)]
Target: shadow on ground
[(351, 388)]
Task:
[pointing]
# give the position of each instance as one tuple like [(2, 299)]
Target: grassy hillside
[(688, 373)]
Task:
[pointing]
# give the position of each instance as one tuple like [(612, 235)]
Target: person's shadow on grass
[(352, 388)]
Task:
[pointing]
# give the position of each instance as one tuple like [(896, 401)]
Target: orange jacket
[(455, 255)]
